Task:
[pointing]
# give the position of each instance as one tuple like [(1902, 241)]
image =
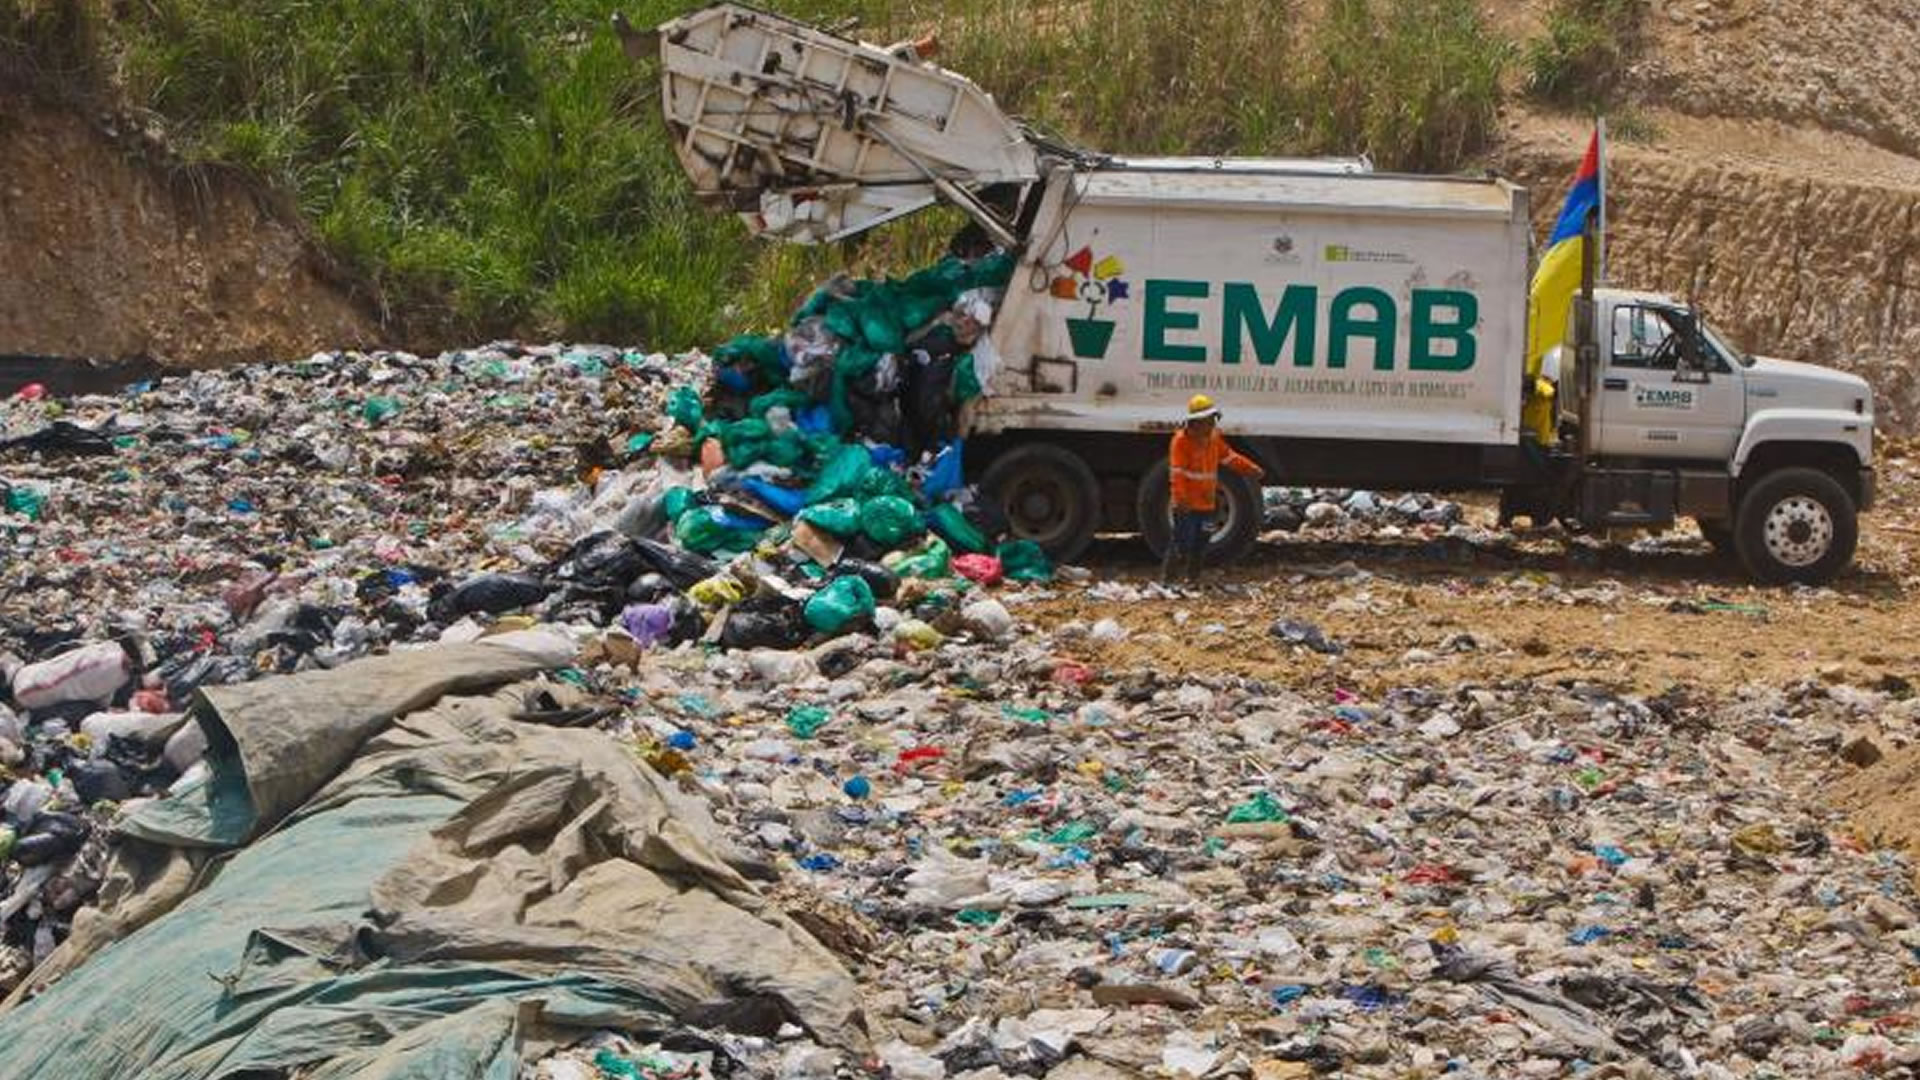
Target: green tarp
[(428, 888)]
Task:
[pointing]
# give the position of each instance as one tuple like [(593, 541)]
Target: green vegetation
[(1413, 83), (498, 166), (1582, 60)]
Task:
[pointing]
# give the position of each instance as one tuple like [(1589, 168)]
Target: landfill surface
[(1404, 795)]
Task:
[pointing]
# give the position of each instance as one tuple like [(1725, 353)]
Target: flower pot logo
[(1095, 283)]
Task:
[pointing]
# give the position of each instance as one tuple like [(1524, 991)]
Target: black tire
[(1236, 525), (1796, 525), (1048, 495)]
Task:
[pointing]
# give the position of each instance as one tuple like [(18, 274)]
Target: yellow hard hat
[(1201, 407)]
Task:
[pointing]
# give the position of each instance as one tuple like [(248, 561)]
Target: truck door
[(1660, 399)]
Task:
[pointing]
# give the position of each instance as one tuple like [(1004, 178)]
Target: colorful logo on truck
[(1095, 282)]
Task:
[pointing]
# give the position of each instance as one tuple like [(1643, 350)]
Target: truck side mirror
[(1690, 365)]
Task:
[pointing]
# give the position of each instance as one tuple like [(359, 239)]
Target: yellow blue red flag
[(1557, 278)]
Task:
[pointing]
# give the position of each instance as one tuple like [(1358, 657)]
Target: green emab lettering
[(1245, 319), (1457, 331), (1441, 325), (1378, 327), (1159, 320)]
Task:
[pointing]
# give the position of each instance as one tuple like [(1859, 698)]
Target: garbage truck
[(1358, 328)]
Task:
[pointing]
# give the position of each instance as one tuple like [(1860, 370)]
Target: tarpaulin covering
[(428, 888)]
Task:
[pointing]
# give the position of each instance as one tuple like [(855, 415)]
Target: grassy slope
[(498, 166)]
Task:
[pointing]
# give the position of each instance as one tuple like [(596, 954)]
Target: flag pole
[(1600, 262)]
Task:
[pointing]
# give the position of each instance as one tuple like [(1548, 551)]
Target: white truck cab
[(1674, 392)]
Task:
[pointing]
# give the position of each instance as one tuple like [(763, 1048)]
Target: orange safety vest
[(1193, 468)]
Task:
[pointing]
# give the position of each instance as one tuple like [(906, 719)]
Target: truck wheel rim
[(1039, 506), (1798, 531)]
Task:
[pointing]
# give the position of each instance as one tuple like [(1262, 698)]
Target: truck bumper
[(1867, 485)]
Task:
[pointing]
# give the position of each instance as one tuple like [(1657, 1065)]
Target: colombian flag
[(1558, 277)]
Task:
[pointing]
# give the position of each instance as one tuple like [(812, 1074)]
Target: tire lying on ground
[(1236, 523)]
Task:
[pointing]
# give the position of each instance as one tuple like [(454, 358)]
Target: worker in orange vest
[(1193, 481)]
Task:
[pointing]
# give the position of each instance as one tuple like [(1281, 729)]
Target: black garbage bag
[(603, 560), (63, 437), (928, 405), (861, 548), (490, 593), (53, 836), (650, 588), (982, 513), (99, 779), (186, 672), (764, 623), (377, 585), (881, 580), (688, 622), (683, 568)]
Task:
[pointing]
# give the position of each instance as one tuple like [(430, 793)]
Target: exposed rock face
[(1841, 65), (105, 255)]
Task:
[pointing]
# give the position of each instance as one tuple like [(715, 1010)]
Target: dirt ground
[(1644, 616)]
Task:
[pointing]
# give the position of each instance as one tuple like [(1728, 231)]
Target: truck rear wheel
[(1048, 495), (1796, 525), (1236, 521)]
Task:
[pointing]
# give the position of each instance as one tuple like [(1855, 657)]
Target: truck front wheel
[(1796, 525), (1236, 522), (1048, 495)]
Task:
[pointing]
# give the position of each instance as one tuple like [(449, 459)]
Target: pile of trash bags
[(216, 527), (826, 487), (1293, 509)]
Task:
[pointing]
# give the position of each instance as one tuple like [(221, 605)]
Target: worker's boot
[(1167, 563), (1196, 560)]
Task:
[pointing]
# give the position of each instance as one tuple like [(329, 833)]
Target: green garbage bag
[(841, 517), (675, 501), (966, 381), (745, 441), (935, 560), (764, 353), (1262, 807), (919, 310), (380, 408), (992, 272), (27, 501), (843, 602), (1025, 560), (841, 313), (953, 527), (785, 398), (889, 520), (946, 279), (882, 326), (787, 450), (879, 482), (816, 303), (683, 405), (852, 363), (707, 529), (805, 721), (841, 475)]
